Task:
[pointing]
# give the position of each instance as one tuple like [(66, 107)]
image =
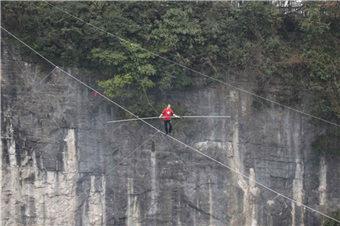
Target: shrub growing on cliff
[(330, 222), (328, 142)]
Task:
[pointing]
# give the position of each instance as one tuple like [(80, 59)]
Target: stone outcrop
[(61, 163)]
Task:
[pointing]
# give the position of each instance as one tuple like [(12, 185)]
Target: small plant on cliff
[(331, 222), (328, 142)]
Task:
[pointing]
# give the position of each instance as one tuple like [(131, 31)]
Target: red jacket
[(167, 114)]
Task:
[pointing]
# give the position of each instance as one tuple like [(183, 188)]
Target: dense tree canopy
[(256, 40)]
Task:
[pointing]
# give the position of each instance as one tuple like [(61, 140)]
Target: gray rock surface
[(59, 158)]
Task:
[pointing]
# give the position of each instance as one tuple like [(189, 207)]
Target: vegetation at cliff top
[(255, 40)]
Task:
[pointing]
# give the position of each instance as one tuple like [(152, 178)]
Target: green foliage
[(255, 41), (259, 103), (115, 85), (330, 222), (321, 52)]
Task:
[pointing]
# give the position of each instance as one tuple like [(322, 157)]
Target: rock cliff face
[(61, 163)]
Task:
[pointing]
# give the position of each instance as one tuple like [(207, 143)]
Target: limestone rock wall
[(61, 163)]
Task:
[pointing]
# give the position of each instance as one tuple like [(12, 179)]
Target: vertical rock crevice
[(323, 183), (132, 209), (97, 202), (295, 145)]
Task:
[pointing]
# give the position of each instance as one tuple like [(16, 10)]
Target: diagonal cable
[(194, 149)]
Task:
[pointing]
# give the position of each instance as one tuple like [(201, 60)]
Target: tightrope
[(148, 118), (158, 131)]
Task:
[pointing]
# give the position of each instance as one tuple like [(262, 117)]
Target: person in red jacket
[(167, 112)]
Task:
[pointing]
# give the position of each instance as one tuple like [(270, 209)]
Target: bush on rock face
[(330, 222)]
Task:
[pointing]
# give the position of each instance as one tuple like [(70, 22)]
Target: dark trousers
[(166, 122)]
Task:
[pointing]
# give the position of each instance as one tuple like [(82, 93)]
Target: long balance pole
[(135, 119)]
